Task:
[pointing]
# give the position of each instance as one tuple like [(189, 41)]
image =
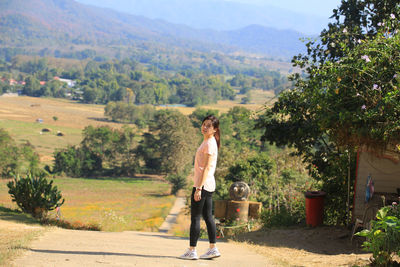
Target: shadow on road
[(93, 253), (325, 240), (17, 216)]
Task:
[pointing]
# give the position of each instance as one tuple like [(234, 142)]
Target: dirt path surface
[(179, 204), (61, 247)]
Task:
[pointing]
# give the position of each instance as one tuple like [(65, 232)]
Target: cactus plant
[(35, 195)]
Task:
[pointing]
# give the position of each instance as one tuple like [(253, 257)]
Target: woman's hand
[(197, 195)]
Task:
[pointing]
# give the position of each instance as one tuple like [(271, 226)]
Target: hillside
[(218, 15), (58, 24)]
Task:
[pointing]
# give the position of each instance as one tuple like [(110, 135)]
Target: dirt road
[(61, 247)]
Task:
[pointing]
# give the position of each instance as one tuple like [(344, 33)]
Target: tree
[(349, 97), (254, 171), (32, 86), (9, 162), (89, 95), (171, 142)]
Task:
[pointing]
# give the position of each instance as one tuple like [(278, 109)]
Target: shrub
[(76, 162), (178, 182), (35, 195), (383, 240), (281, 217)]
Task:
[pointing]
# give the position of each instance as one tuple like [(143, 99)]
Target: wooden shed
[(384, 170)]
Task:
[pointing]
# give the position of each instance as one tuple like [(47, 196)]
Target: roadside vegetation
[(108, 204), (347, 97)]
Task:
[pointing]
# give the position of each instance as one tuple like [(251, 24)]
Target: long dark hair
[(215, 124)]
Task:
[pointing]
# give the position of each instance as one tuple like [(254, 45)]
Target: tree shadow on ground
[(100, 119), (157, 195), (100, 253), (17, 216), (321, 240), (139, 177)]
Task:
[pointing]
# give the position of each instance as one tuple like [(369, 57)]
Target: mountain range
[(217, 14), (61, 23)]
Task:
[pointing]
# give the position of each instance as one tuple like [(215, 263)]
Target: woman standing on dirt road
[(203, 188)]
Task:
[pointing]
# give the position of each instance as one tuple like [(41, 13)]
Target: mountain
[(217, 14), (61, 23)]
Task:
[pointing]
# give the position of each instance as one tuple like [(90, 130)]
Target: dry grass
[(114, 204), (16, 232), (258, 99), (305, 246), (69, 113), (18, 116)]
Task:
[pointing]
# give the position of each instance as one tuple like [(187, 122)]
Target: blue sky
[(322, 8)]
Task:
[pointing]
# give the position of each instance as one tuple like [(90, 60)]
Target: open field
[(115, 204), (258, 99), (18, 115)]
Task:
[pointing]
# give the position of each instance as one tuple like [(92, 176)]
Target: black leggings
[(199, 208)]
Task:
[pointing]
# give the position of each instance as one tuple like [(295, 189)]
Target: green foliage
[(29, 158), (14, 158), (35, 195), (383, 239), (178, 181), (8, 155), (76, 162), (276, 179), (254, 171), (170, 145), (128, 113), (103, 151), (199, 114), (282, 217), (238, 129), (348, 97)]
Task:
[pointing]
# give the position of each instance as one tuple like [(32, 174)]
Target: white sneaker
[(189, 255), (211, 253)]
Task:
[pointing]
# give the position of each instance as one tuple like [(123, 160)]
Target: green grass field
[(114, 204)]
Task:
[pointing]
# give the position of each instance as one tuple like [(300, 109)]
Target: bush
[(383, 240), (76, 162), (35, 195), (178, 182), (282, 217)]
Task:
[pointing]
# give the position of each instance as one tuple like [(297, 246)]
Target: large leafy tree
[(170, 145), (348, 96)]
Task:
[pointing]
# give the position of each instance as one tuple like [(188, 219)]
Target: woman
[(203, 188)]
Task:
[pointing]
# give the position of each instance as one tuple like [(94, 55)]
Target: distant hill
[(45, 23), (217, 14)]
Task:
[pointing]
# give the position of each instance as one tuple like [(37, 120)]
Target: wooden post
[(220, 209), (254, 210), (238, 210)]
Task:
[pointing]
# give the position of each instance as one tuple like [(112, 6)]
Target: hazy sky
[(322, 8)]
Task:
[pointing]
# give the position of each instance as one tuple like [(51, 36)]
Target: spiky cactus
[(35, 195)]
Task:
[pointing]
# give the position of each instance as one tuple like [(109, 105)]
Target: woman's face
[(207, 128)]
